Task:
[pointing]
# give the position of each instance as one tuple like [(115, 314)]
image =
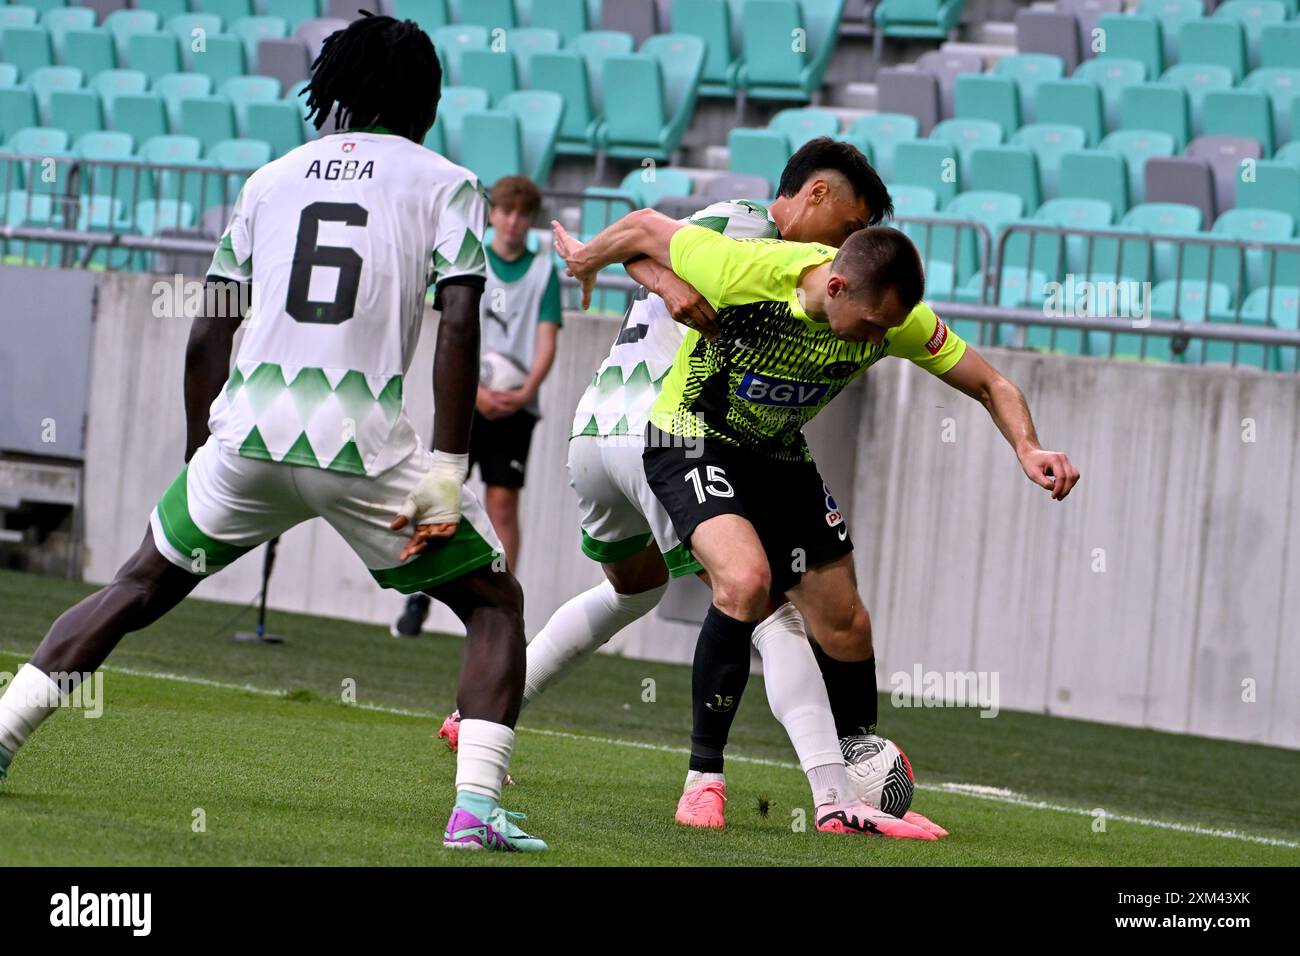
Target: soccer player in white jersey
[(827, 191), (339, 241)]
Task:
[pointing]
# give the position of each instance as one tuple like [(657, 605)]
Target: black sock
[(851, 687), (718, 679)]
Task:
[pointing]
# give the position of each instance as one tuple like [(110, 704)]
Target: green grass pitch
[(256, 743)]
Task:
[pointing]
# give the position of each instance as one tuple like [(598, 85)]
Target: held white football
[(499, 371), (879, 773)]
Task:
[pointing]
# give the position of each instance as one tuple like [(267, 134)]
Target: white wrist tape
[(436, 499)]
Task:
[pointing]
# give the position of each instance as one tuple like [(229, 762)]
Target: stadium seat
[(222, 60), (279, 124), (489, 14), (526, 44), (1290, 153), (1172, 14), (1241, 112), (759, 152), (18, 110), (104, 8), (1007, 169), (990, 98), (209, 119), (76, 112), (910, 201), (732, 186), (1164, 219), (926, 19), (1275, 186), (101, 177), (1135, 146), (1113, 75), (92, 51), (1217, 41), (1159, 107), (945, 66), (1279, 306), (882, 131), (1095, 174), (297, 12), (966, 135), (1053, 32), (1029, 71), (538, 113), (174, 87), (1282, 88), (110, 84), (171, 150), (1184, 180), (491, 145), (143, 115), (27, 48), (805, 123), (565, 72), (286, 60), (242, 155), (165, 9), (46, 79), (154, 53), (773, 67), (251, 30), (927, 163), (1049, 142), (635, 17), (1279, 45), (1088, 14), (451, 44), (17, 16), (1253, 15), (1201, 302), (154, 215), (59, 20), (1225, 156), (992, 210), (231, 10), (242, 91), (1198, 79), (710, 20), (1252, 225), (1073, 102), (650, 97), (455, 103), (495, 73), (8, 75), (648, 186), (1133, 37), (1077, 214), (595, 48), (122, 24), (568, 18), (183, 26), (911, 93)]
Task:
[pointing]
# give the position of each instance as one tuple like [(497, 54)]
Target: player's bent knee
[(849, 637), (742, 592)]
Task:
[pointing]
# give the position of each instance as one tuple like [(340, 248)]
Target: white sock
[(578, 627), (29, 699), (483, 757), (797, 695), (696, 777)]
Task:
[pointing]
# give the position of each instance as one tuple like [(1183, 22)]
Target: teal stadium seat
[(647, 186), (1007, 169), (565, 72), (1161, 107), (1252, 225), (538, 113), (491, 71), (526, 44), (93, 51), (759, 152), (59, 20), (926, 19), (1217, 41), (18, 110), (1078, 214), (650, 97), (929, 163), (278, 123), (153, 53), (166, 9), (568, 18), (17, 16), (228, 10), (183, 27), (122, 23), (1134, 37), (457, 101), (966, 135), (27, 48), (882, 132), (1165, 219), (143, 115), (492, 145), (1279, 306), (296, 12), (1135, 147), (1172, 14), (992, 210), (1253, 15), (45, 80), (1049, 142), (1074, 102), (772, 66), (710, 20), (1290, 153), (1275, 186), (209, 119), (1279, 45), (805, 123), (988, 97), (1197, 79), (242, 155), (110, 84), (451, 43), (222, 60), (174, 87), (1114, 75), (1282, 87), (253, 30), (1240, 112), (8, 75), (595, 48), (76, 112), (243, 91), (100, 178), (489, 14), (1029, 71)]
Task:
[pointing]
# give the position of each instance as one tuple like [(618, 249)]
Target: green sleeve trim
[(551, 310)]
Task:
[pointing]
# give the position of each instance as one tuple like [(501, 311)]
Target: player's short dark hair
[(377, 70), (879, 258), (847, 160), (516, 192)]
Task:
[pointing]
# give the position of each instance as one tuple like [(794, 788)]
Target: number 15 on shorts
[(713, 483)]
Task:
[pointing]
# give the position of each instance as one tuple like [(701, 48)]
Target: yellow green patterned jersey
[(772, 368)]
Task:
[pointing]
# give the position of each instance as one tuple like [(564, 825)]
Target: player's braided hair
[(376, 70)]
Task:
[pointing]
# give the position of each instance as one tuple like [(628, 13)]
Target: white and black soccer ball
[(499, 371), (879, 773)]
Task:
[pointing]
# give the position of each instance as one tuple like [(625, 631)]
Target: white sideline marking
[(977, 791)]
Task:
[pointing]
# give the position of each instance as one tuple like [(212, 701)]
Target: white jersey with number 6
[(340, 239)]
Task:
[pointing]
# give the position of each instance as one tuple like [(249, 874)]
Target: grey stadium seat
[(946, 67), (732, 186), (350, 10), (285, 60), (1049, 31), (629, 16), (913, 92), (1088, 13), (680, 207), (1224, 154), (1181, 179), (313, 33), (103, 8)]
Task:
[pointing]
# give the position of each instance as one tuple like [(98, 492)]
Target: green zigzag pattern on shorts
[(610, 379)]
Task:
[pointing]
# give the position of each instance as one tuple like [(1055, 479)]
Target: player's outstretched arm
[(434, 506), (207, 354), (1006, 404), (640, 233)]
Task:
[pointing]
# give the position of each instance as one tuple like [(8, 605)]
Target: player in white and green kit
[(339, 239)]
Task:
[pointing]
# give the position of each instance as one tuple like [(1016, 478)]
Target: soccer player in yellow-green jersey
[(726, 457)]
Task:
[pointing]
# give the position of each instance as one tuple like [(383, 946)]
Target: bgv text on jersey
[(768, 390)]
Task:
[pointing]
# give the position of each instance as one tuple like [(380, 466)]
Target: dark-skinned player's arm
[(1006, 405), (207, 354), (434, 506)]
